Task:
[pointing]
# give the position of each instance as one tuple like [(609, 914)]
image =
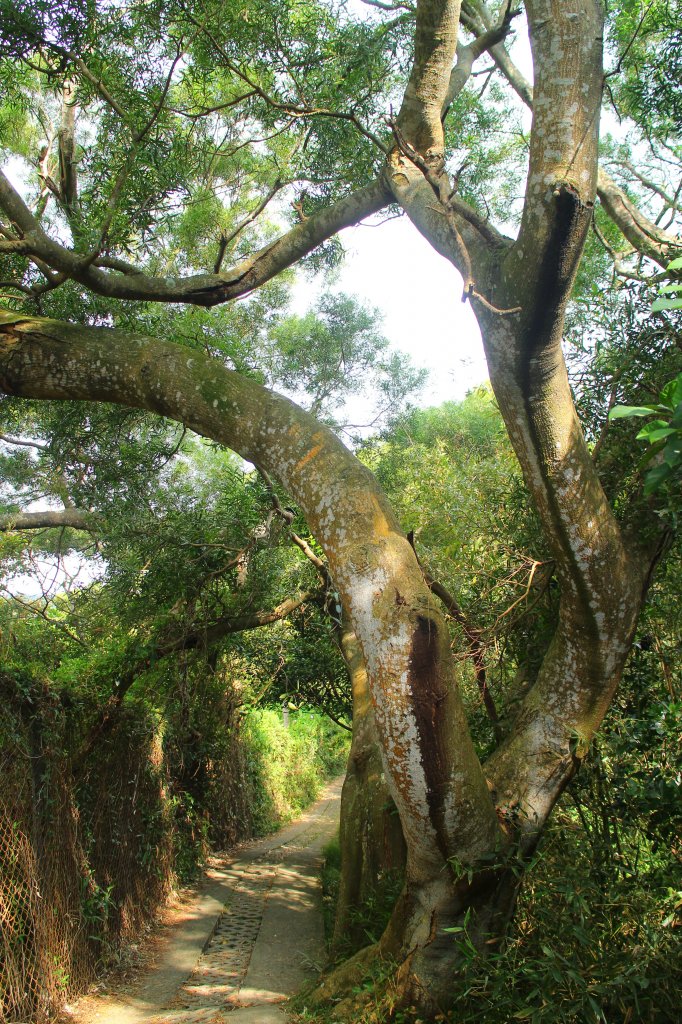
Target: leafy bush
[(663, 434), (582, 951), (288, 764)]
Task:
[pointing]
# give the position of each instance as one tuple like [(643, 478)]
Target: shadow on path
[(251, 939)]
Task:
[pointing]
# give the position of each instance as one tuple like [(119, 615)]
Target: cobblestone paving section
[(220, 970), (207, 1015)]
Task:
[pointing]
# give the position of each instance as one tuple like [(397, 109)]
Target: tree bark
[(67, 518), (370, 835)]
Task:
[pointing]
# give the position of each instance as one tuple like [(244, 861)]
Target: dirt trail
[(249, 940)]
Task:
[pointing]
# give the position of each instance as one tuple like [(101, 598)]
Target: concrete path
[(253, 938)]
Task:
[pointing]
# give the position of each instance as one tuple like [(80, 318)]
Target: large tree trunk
[(370, 835), (519, 294)]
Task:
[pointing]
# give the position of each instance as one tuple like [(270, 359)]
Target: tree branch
[(8, 439), (205, 636), (458, 215), (649, 183), (287, 516), (435, 45), (644, 236), (73, 519), (68, 180), (468, 54), (562, 171), (199, 289), (226, 239), (474, 638)]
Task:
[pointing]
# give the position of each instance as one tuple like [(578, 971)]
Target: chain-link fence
[(46, 952), (82, 864)]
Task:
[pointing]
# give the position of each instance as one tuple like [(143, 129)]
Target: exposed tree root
[(338, 984)]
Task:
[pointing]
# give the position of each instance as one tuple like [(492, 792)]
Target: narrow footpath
[(252, 937)]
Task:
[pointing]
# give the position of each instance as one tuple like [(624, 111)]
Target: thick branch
[(482, 42), (213, 632), (199, 289), (68, 181), (435, 44), (567, 59), (453, 228), (71, 518), (9, 439), (641, 233), (600, 578)]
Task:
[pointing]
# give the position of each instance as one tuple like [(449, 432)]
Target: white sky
[(391, 266)]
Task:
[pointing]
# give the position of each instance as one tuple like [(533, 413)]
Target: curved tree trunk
[(432, 770)]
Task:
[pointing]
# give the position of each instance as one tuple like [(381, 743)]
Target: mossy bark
[(370, 835)]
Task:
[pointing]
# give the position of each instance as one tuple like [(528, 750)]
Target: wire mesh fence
[(82, 864), (45, 949)]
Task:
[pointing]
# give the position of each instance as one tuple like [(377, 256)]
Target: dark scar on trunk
[(570, 222), (427, 695)]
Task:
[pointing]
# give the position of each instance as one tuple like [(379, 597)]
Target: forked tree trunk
[(519, 291)]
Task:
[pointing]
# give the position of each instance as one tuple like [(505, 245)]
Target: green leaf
[(671, 393), (675, 264), (647, 434), (620, 412), (658, 304), (672, 453), (656, 476)]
